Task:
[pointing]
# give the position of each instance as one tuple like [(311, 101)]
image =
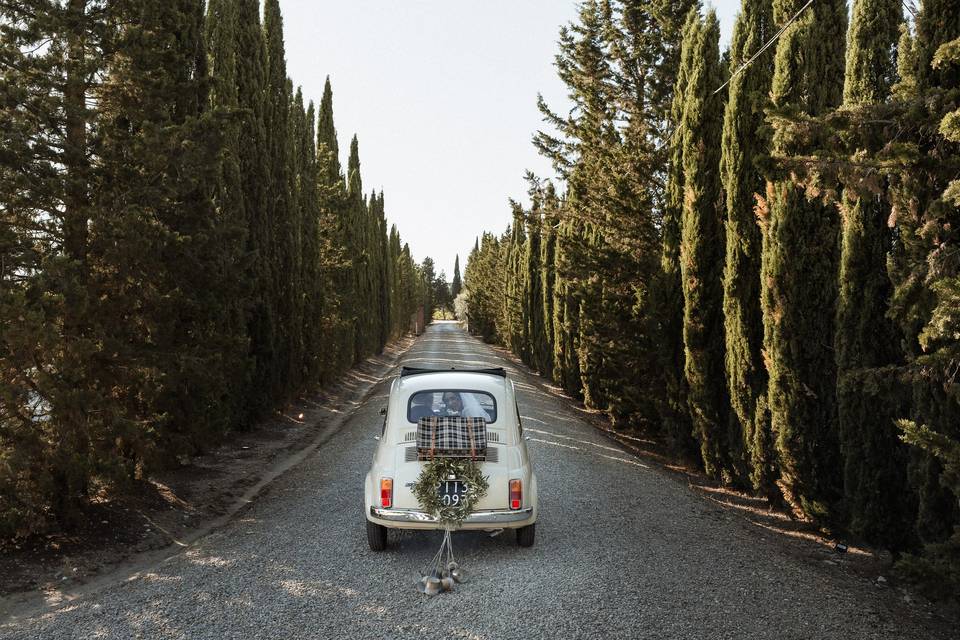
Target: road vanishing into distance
[(624, 549)]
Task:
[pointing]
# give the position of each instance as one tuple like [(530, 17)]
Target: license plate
[(452, 493)]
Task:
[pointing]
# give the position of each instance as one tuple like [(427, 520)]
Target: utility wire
[(756, 55), (766, 46)]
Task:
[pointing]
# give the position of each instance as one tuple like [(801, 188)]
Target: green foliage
[(456, 285), (869, 395), (840, 286), (261, 319), (745, 139), (484, 286), (701, 249), (938, 568), (808, 77), (436, 472), (668, 301), (170, 243)]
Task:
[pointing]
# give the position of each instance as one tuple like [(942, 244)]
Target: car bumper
[(487, 519)]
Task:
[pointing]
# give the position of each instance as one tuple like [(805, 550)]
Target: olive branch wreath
[(440, 469)]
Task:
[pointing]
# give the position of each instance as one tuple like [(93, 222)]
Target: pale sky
[(442, 95)]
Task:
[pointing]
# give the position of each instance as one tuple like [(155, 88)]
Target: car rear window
[(452, 402)]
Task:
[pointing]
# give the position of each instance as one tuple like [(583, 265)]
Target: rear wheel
[(376, 536), (526, 535)]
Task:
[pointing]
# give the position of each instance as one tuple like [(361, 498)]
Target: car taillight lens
[(516, 494), (386, 492)]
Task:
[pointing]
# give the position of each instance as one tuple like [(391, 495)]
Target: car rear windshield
[(452, 402)]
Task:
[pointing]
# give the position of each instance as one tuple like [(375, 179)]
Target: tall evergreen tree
[(429, 274), (566, 312), (52, 56), (799, 266), (548, 278), (874, 461), (262, 322), (352, 219), (394, 269), (674, 412), (457, 283), (924, 192), (312, 261), (384, 272), (339, 304), (701, 248), (515, 311), (280, 209), (744, 141), (222, 24), (533, 295)]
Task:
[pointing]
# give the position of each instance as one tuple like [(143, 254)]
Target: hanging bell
[(433, 586), (458, 575), (447, 583), (422, 584)]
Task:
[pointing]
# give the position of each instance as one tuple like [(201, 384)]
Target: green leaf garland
[(440, 469)]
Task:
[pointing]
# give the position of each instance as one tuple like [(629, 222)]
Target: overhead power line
[(766, 46)]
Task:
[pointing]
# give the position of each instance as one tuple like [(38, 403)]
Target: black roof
[(413, 371)]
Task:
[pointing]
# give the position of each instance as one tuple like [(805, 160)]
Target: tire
[(526, 535), (376, 536)]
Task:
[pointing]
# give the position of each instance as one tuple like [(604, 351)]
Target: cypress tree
[(533, 296), (799, 267), (924, 193), (384, 272), (428, 274), (262, 322), (222, 24), (51, 57), (311, 277), (161, 247), (374, 275), (279, 187), (744, 140), (296, 286), (353, 218), (591, 320), (701, 247), (514, 315), (398, 323), (338, 306), (566, 312), (873, 458), (674, 412), (456, 285), (548, 276)]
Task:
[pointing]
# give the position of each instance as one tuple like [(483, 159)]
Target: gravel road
[(623, 550)]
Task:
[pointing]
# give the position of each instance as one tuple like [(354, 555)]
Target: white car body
[(396, 457)]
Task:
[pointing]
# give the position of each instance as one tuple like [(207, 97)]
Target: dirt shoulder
[(177, 506)]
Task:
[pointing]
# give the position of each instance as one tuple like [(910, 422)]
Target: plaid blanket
[(451, 437)]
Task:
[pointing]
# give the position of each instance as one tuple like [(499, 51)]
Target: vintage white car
[(511, 500)]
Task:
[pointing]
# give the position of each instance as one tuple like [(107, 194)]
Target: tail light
[(386, 492), (516, 494)]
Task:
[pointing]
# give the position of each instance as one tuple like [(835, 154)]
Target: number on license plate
[(452, 493)]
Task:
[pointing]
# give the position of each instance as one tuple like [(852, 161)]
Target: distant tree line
[(181, 252), (766, 276)]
